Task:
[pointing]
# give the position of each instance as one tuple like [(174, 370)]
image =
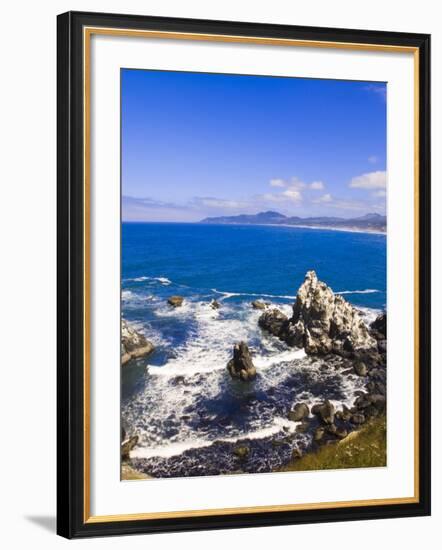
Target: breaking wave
[(188, 403), (366, 291)]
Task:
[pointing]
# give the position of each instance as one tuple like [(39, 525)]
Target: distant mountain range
[(370, 222)]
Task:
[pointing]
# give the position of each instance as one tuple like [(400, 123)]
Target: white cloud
[(292, 191), (370, 180), (292, 183), (278, 183), (296, 183), (381, 193), (317, 185), (293, 194)]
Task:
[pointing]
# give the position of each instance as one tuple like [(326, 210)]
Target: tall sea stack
[(322, 322)]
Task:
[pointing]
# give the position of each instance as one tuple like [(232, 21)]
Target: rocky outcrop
[(214, 304), (127, 446), (133, 343), (322, 322), (325, 411), (241, 366), (299, 412), (175, 301), (380, 326), (258, 304), (378, 330), (275, 322)]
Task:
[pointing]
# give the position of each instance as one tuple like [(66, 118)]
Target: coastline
[(328, 228), (315, 227)]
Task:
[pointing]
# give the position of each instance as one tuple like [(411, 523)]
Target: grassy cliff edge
[(364, 448)]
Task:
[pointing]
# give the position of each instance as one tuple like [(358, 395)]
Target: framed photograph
[(243, 274)]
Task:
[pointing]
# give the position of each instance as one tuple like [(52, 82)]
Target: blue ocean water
[(255, 259), (181, 400)]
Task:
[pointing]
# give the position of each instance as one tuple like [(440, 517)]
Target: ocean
[(188, 412)]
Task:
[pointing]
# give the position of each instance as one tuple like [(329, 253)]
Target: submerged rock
[(133, 343), (258, 304), (175, 301), (241, 366), (322, 322), (214, 304)]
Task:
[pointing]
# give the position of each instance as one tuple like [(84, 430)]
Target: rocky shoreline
[(133, 344), (327, 326), (324, 323), (335, 338)]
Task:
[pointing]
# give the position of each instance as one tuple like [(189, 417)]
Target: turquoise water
[(180, 400)]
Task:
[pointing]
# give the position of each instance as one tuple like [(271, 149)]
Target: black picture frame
[(71, 519)]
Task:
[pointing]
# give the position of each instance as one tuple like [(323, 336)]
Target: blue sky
[(197, 145)]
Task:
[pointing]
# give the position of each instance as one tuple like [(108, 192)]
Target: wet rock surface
[(175, 301), (299, 412), (241, 366), (133, 344)]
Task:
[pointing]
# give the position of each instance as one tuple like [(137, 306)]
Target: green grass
[(365, 448)]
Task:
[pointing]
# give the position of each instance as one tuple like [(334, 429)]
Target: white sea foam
[(162, 280), (366, 291), (173, 449), (369, 314), (227, 295), (262, 362), (210, 345)]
